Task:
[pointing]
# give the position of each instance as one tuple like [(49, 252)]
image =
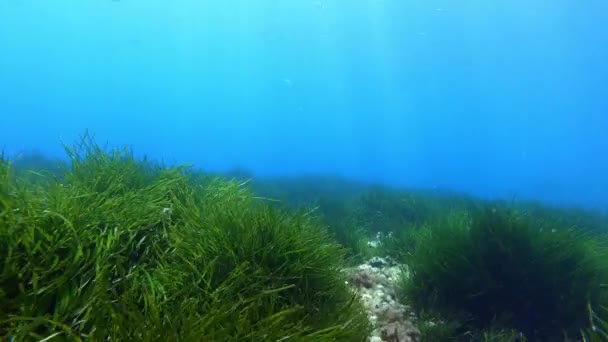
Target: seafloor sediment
[(377, 284)]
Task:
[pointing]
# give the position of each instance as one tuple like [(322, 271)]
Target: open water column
[(303, 170)]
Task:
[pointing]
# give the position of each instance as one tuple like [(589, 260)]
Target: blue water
[(495, 98)]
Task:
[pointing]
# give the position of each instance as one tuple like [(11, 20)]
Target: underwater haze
[(494, 98)]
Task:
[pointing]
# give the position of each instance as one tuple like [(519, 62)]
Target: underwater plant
[(575, 217), (494, 268), (369, 220), (598, 326), (36, 161), (125, 249), (384, 210), (331, 199)]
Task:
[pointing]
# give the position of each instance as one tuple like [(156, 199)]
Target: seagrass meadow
[(114, 248), (105, 246), (476, 270), (303, 171)]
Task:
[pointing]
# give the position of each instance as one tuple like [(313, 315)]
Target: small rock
[(377, 283)]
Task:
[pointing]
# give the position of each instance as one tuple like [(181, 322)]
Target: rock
[(399, 332), (377, 282)]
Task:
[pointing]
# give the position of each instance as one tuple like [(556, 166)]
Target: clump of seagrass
[(124, 249), (497, 269)]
